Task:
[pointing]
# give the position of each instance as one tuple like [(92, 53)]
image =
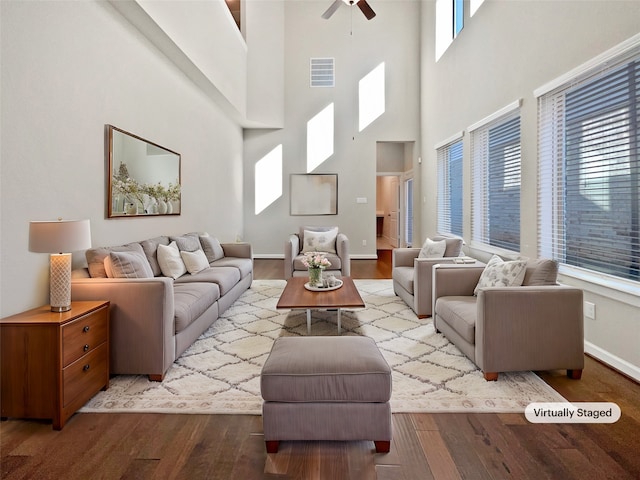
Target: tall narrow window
[(458, 17), (408, 219), (589, 170), (450, 188), (495, 194)]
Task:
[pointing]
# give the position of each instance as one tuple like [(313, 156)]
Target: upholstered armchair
[(412, 274), (317, 239), (537, 326)]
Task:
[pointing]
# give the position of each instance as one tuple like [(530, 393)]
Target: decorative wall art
[(314, 194)]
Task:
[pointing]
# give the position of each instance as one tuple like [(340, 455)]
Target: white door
[(394, 213)]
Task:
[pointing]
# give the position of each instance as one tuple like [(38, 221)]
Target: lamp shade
[(59, 236)]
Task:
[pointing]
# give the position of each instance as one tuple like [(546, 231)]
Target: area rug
[(220, 372)]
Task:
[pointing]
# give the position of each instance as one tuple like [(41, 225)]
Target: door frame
[(401, 202)]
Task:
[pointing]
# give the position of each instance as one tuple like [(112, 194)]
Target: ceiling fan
[(362, 5)]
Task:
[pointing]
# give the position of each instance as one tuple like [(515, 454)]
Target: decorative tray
[(323, 289), (464, 260)]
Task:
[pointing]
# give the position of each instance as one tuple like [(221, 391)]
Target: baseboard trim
[(617, 363)]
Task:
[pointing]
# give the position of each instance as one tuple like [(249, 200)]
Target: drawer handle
[(86, 367), (85, 329), (86, 347)]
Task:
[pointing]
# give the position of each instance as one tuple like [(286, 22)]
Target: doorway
[(394, 194), (388, 211)]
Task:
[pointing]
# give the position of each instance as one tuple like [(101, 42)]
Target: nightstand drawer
[(86, 376), (84, 334)]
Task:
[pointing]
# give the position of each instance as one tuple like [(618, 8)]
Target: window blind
[(589, 171), (449, 171), (495, 193)]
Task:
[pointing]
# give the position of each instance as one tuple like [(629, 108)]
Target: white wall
[(69, 68), (506, 51), (263, 27), (391, 37)]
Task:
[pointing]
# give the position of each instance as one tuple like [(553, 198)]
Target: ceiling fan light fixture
[(364, 7)]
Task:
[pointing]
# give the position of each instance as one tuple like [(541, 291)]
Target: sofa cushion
[(212, 248), (498, 273), (188, 242), (432, 249), (170, 261), (225, 277), (195, 261), (404, 276), (543, 271), (191, 300), (336, 264), (460, 314), (324, 241), (150, 248), (245, 265), (454, 245), (95, 257), (127, 265)]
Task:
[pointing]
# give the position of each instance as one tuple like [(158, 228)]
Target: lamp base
[(61, 309), (60, 286)]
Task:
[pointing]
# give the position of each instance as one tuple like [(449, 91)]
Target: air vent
[(322, 72)]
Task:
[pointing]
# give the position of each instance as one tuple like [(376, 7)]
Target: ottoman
[(326, 388)]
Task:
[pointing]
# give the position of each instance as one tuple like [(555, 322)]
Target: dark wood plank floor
[(425, 446)]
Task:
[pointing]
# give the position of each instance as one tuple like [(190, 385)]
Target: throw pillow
[(194, 261), (498, 273), (95, 257), (320, 241), (432, 249), (170, 261), (127, 265), (150, 248), (543, 271), (212, 248), (187, 243)]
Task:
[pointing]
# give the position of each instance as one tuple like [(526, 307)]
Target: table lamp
[(56, 237)]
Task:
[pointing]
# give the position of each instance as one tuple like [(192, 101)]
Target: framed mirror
[(314, 194), (143, 177)]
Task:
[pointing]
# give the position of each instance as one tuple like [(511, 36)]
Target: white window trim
[(608, 286), (494, 116), (619, 289), (453, 138), (588, 66)]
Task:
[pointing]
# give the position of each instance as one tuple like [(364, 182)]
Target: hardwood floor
[(425, 446)]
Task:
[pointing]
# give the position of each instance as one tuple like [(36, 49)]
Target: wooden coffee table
[(295, 296)]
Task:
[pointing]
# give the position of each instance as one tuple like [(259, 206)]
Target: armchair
[(537, 326), (324, 239), (412, 275)]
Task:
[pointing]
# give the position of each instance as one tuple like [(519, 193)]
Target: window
[(408, 219), (589, 171), (450, 188), (458, 17), (495, 193)]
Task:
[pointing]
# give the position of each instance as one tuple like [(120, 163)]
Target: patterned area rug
[(220, 372)]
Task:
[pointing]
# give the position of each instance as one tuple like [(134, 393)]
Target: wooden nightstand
[(53, 363)]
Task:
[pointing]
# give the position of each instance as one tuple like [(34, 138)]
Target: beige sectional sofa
[(164, 293)]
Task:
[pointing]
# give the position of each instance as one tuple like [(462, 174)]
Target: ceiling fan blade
[(366, 9), (332, 9)]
